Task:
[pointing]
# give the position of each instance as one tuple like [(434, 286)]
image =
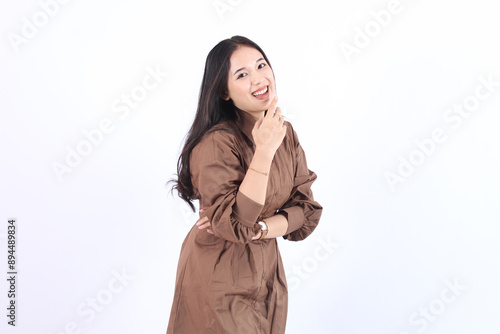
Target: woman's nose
[(257, 79)]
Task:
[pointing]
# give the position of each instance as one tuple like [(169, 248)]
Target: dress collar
[(246, 122)]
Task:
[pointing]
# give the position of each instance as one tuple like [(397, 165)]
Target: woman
[(245, 165)]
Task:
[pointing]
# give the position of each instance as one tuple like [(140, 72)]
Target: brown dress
[(226, 283)]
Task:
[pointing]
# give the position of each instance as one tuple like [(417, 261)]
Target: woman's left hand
[(204, 223)]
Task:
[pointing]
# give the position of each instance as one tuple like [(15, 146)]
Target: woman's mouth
[(262, 93)]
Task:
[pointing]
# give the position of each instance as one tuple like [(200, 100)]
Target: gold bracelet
[(258, 171)]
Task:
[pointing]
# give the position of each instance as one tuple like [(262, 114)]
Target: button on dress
[(226, 283)]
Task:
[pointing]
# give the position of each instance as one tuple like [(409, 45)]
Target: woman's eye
[(264, 64), (241, 75)]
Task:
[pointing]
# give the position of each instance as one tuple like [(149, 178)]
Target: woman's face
[(250, 74)]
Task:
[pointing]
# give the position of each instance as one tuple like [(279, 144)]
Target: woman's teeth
[(261, 92)]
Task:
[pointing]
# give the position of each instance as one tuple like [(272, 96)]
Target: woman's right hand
[(269, 131), (204, 223)]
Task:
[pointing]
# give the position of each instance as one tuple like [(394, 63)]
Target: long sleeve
[(301, 210), (216, 173)]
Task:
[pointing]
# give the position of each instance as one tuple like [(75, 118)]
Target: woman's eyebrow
[(244, 67)]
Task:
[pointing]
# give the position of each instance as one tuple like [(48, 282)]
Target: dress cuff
[(295, 217), (246, 210)]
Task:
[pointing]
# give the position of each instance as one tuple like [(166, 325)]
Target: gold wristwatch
[(263, 229)]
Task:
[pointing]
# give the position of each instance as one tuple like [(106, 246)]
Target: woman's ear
[(225, 97)]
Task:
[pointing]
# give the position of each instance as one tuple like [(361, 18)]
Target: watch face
[(263, 226)]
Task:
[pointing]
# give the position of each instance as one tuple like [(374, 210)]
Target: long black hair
[(212, 109)]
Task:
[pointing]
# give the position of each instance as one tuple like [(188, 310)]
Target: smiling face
[(250, 81)]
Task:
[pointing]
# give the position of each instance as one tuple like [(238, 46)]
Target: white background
[(382, 258)]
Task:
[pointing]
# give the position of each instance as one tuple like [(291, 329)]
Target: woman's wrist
[(277, 226), (257, 236), (261, 161), (264, 154)]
